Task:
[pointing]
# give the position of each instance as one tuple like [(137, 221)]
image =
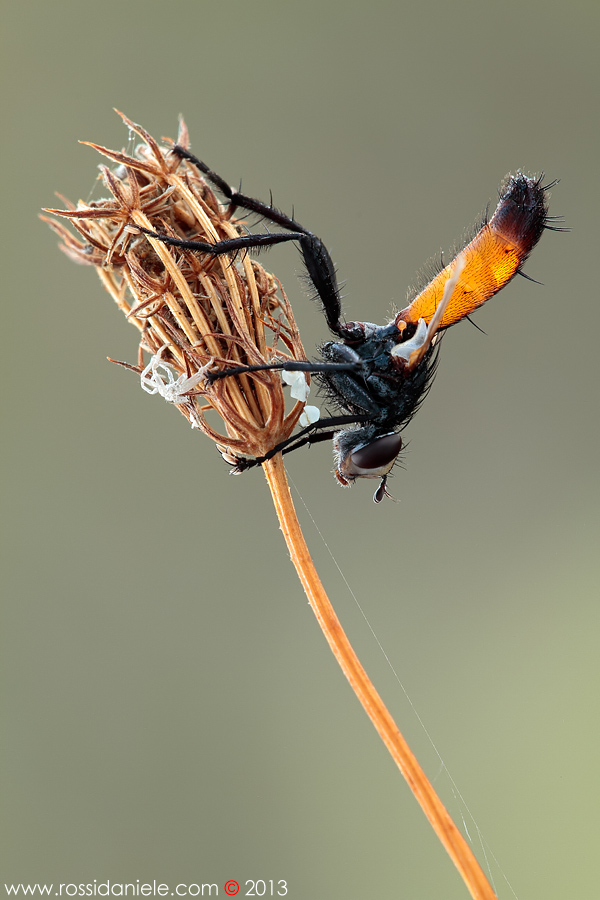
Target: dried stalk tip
[(195, 313)]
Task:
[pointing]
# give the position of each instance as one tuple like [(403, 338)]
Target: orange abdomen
[(492, 258)]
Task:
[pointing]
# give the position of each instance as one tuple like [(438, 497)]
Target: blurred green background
[(172, 711)]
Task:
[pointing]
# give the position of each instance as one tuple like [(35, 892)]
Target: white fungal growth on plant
[(158, 378)]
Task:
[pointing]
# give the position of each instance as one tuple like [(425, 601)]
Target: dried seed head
[(195, 313)]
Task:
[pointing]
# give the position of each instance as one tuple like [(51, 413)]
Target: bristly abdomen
[(521, 214), (492, 258)]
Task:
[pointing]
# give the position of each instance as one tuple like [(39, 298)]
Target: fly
[(377, 376)]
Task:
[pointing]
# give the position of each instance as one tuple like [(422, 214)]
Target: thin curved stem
[(454, 843)]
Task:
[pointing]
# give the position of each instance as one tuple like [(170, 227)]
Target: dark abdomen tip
[(522, 212)]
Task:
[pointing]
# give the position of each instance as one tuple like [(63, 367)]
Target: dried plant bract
[(195, 313)]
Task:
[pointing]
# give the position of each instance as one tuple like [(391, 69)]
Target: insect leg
[(323, 430), (317, 260), (288, 366), (231, 245)]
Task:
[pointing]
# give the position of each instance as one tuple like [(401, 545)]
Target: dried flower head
[(195, 313)]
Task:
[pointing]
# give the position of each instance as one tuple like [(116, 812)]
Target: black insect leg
[(316, 258), (236, 198), (316, 437), (319, 264), (323, 430), (289, 366), (231, 245)]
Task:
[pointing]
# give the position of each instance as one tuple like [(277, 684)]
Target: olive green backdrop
[(172, 711)]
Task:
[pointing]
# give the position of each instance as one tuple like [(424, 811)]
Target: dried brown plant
[(194, 312)]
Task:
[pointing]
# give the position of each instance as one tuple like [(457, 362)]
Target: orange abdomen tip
[(492, 258)]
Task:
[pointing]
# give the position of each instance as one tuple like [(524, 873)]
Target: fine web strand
[(486, 850)]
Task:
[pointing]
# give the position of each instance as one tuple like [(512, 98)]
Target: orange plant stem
[(451, 838)]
